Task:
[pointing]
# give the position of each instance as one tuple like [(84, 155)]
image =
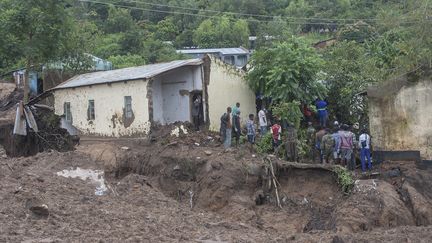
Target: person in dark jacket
[(225, 128), (237, 127)]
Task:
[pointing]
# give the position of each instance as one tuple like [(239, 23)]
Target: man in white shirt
[(365, 145), (262, 121)]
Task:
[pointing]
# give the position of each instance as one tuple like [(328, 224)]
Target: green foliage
[(37, 29), (359, 32), (157, 51), (350, 69), (221, 32), (126, 61), (108, 45), (288, 111), (344, 178), (243, 139), (287, 72), (303, 147), (166, 30), (265, 144), (119, 20)]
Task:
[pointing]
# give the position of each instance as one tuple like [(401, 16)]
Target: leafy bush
[(303, 147), (265, 144), (288, 111), (243, 139), (345, 179)]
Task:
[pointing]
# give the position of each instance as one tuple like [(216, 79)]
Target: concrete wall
[(402, 120), (171, 101), (109, 104), (228, 86)]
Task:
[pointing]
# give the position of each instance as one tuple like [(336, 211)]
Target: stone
[(37, 206), (208, 152), (125, 148)]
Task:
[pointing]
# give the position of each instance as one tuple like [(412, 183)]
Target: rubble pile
[(46, 133)]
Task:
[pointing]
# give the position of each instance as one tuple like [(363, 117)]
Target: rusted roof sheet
[(124, 74)]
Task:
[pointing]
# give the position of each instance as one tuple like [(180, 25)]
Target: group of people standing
[(231, 125), (340, 144), (336, 145)]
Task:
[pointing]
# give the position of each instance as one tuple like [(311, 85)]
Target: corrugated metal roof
[(224, 51), (132, 73)]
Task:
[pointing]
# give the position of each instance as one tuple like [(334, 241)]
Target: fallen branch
[(295, 165), (274, 183)]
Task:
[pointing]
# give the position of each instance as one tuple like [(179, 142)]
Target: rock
[(254, 156), (125, 148), (197, 144), (216, 165), (337, 239), (37, 206), (208, 152), (393, 173)]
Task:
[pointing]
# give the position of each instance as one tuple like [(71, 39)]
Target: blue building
[(37, 76)]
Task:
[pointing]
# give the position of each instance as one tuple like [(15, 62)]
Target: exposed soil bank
[(172, 190)]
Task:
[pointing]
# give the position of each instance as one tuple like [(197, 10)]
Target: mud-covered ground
[(188, 189)]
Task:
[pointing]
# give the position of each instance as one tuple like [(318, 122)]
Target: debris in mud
[(49, 135), (37, 206), (176, 131), (96, 176)]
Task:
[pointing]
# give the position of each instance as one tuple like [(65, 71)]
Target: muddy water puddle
[(95, 176)]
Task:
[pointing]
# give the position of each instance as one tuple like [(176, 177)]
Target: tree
[(166, 30), (287, 72), (221, 32), (119, 20), (349, 70), (126, 61), (38, 28)]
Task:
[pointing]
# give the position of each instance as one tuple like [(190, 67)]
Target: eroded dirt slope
[(189, 190)]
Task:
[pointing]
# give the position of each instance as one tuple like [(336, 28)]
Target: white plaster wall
[(109, 104), (403, 121), (169, 104), (228, 86)]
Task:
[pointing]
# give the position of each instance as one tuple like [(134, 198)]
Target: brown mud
[(187, 189)]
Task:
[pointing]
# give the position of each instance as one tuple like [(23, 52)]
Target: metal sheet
[(124, 74), (223, 51)]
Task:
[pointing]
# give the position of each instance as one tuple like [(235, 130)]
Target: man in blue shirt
[(321, 106)]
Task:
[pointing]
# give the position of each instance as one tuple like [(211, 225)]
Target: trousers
[(365, 154)]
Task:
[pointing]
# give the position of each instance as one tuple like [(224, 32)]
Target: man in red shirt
[(276, 131)]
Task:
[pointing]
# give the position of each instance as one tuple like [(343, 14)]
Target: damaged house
[(400, 115), (128, 101)]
